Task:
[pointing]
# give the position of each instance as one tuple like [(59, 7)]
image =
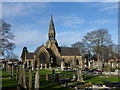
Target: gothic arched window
[(42, 58)]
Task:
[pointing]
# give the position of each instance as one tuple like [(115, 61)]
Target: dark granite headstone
[(57, 78), (53, 71)]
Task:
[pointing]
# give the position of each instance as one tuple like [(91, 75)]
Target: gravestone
[(6, 67), (71, 66), (28, 64), (66, 84), (37, 80), (62, 64), (53, 71), (12, 70), (24, 79), (89, 64), (32, 66), (99, 65), (74, 77), (20, 75), (38, 64), (47, 77), (30, 79), (108, 68), (23, 65), (79, 73), (50, 66), (57, 78), (41, 66), (75, 62), (45, 66), (17, 73), (9, 68)]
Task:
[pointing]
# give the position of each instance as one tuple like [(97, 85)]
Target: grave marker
[(79, 75), (30, 79), (24, 79), (37, 80)]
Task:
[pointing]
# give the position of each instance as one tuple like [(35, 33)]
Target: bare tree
[(98, 41), (115, 51), (84, 49), (6, 37)]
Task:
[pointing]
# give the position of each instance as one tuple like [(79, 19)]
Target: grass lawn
[(7, 81), (11, 82), (99, 80)]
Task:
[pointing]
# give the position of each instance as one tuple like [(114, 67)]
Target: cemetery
[(55, 67), (19, 78)]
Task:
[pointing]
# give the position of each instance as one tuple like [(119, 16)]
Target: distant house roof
[(69, 51), (30, 55), (13, 60), (9, 60)]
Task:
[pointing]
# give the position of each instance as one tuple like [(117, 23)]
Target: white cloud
[(13, 9), (109, 6), (69, 37), (22, 9), (102, 21), (31, 37), (71, 21)]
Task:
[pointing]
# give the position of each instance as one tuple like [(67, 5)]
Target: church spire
[(51, 33)]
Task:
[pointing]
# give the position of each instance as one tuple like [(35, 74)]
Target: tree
[(115, 52), (98, 41), (6, 37), (84, 50)]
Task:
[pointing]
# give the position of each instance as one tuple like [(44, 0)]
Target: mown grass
[(99, 80), (44, 85)]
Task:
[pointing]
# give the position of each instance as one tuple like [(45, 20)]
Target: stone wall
[(72, 59)]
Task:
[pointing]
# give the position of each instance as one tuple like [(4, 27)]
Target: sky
[(30, 21)]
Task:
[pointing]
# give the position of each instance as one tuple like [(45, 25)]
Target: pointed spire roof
[(51, 26)]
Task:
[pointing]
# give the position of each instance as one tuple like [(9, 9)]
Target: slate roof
[(69, 51), (30, 55)]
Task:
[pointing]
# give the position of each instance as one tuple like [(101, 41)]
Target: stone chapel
[(52, 54)]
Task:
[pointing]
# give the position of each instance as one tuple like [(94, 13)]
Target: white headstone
[(50, 66), (45, 66), (32, 66), (41, 67), (62, 64)]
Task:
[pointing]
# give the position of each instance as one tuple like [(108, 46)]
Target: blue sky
[(30, 21)]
